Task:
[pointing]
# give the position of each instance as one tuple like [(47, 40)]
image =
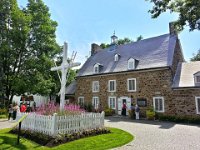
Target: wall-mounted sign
[(142, 102)]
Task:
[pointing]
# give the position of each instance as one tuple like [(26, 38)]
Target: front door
[(125, 100)]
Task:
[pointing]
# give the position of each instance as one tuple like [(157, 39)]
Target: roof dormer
[(96, 68), (197, 78), (131, 63)]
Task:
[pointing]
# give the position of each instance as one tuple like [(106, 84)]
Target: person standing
[(15, 110), (10, 112), (137, 112), (124, 109)]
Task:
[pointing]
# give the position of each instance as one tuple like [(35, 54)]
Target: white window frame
[(197, 100), (197, 76), (116, 57), (111, 98), (128, 88), (163, 104), (95, 102), (81, 98), (96, 68), (110, 87), (131, 60), (95, 88)]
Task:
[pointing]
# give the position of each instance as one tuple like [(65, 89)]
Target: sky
[(83, 22)]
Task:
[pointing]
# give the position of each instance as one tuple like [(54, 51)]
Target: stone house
[(151, 73)]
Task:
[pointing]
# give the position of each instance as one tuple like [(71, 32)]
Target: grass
[(3, 116), (116, 138)]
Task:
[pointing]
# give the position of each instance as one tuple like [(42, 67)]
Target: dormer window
[(96, 68), (197, 78), (116, 57), (131, 63)]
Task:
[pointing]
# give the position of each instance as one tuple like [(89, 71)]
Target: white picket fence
[(53, 125)]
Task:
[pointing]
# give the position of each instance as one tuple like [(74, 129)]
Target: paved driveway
[(154, 135)]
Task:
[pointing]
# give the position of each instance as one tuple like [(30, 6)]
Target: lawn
[(116, 138)]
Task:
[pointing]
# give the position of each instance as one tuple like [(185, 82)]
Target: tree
[(188, 11), (121, 41), (196, 57), (27, 47)]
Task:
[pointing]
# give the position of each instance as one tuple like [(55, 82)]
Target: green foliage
[(150, 113), (88, 107), (188, 11), (121, 41), (179, 119), (196, 57), (27, 48), (109, 112)]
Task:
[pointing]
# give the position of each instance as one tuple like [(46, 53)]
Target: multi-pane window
[(131, 63), (197, 79), (81, 101), (131, 84), (95, 86), (112, 85), (95, 102), (197, 100), (112, 102), (158, 103)]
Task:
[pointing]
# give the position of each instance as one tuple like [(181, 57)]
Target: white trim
[(128, 85), (114, 86), (81, 97), (114, 101), (163, 104), (96, 103), (116, 57), (197, 100), (131, 60), (93, 88), (94, 68)]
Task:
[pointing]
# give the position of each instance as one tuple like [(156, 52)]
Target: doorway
[(125, 100)]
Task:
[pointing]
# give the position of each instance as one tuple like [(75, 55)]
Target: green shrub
[(150, 113), (50, 141), (109, 112), (88, 107), (179, 119), (3, 111)]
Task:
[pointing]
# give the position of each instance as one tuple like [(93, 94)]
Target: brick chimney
[(172, 29), (95, 48)]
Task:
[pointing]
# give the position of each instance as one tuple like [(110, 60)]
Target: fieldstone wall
[(149, 84)]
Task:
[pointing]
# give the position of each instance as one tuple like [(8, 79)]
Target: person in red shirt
[(23, 108)]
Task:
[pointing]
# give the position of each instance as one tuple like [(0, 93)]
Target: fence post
[(54, 125), (102, 117)]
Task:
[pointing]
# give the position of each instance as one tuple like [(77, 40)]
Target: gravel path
[(154, 135), (4, 123)]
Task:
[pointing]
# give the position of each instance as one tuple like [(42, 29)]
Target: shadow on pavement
[(161, 124)]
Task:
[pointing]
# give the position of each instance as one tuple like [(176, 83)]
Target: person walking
[(137, 112)]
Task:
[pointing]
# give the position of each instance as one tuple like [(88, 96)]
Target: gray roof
[(71, 89), (154, 52), (185, 74)]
